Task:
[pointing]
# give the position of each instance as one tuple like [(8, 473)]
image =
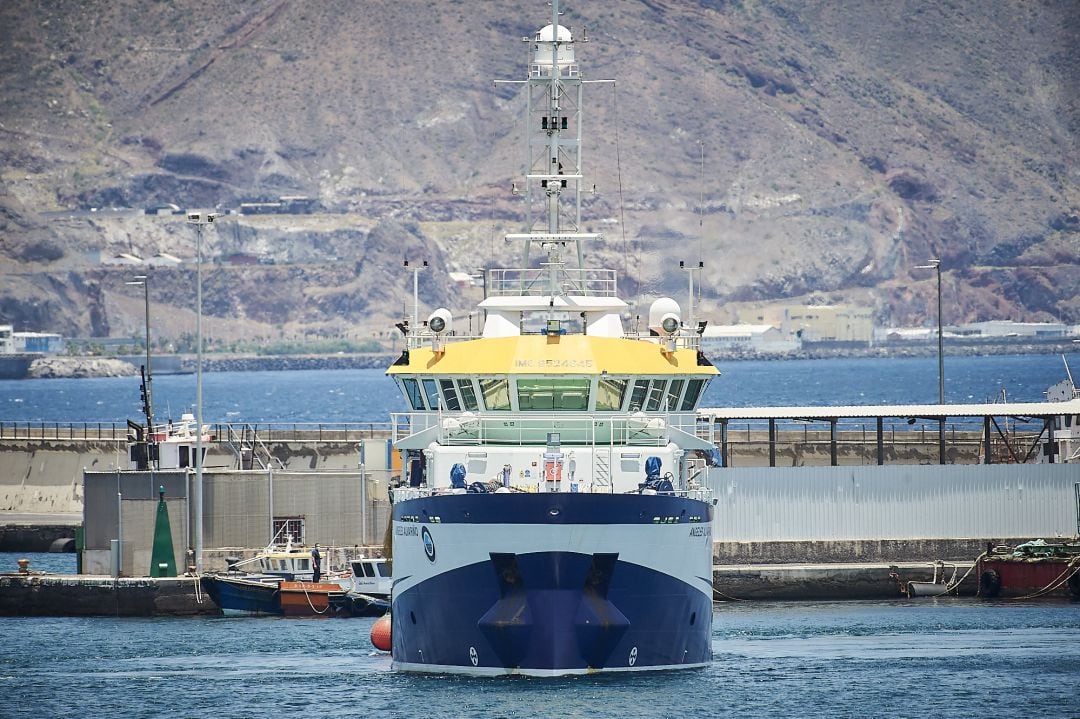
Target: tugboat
[(551, 521)]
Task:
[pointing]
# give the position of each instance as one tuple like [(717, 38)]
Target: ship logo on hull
[(429, 544)]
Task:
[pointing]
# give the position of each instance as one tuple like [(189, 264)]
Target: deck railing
[(532, 428), (219, 432)]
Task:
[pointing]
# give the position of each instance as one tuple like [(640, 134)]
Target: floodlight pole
[(935, 264), (199, 219), (144, 280)]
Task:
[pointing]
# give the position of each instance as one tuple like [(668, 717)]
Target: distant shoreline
[(185, 364)]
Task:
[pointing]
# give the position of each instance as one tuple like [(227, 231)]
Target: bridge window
[(693, 390), (496, 394), (450, 395), (468, 395), (539, 395), (412, 393), (674, 391), (656, 393), (637, 399), (609, 394), (431, 391)]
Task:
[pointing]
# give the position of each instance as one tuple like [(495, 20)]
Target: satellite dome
[(545, 36)]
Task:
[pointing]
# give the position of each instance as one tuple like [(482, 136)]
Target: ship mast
[(553, 151)]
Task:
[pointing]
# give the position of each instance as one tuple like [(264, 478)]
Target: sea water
[(945, 657), (340, 396), (928, 658)]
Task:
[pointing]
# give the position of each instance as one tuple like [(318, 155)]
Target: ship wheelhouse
[(534, 405)]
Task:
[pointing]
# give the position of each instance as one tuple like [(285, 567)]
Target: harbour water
[(938, 657), (337, 396), (935, 658)]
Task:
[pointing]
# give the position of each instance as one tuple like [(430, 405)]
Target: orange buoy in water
[(380, 633)]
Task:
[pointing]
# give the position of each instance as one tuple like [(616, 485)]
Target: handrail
[(401, 494), (219, 432), (527, 428)]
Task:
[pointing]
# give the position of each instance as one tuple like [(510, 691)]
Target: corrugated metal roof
[(1002, 409)]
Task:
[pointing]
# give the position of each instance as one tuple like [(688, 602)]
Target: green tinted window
[(693, 389), (449, 395), (637, 399), (496, 393), (674, 391), (656, 393), (431, 391), (542, 394), (468, 395), (412, 393), (609, 394)]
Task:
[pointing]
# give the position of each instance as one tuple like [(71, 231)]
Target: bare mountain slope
[(801, 149)]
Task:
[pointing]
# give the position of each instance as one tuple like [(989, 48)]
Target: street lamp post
[(935, 264), (145, 282), (199, 219)]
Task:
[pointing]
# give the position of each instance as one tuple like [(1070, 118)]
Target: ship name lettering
[(697, 531), (406, 531), (570, 363)]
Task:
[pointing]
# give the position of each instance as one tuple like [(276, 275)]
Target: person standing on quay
[(316, 563)]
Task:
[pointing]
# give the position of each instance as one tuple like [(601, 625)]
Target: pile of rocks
[(52, 367)]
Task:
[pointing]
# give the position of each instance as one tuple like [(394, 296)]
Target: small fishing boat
[(371, 577), (243, 596), (364, 592), (307, 599), (242, 593)]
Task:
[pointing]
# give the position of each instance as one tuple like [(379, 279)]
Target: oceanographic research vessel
[(551, 521)]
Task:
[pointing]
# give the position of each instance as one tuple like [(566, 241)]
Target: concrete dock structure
[(826, 503)]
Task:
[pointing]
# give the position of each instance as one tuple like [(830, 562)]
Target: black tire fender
[(989, 583), (1074, 583)]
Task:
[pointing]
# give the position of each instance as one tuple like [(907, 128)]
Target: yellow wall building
[(815, 323)]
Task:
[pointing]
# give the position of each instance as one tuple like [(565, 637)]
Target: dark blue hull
[(243, 596), (553, 612)]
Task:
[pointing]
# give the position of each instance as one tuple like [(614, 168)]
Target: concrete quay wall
[(830, 582), (37, 538), (51, 595), (854, 551)]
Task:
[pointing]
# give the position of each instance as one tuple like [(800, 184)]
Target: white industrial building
[(749, 338)]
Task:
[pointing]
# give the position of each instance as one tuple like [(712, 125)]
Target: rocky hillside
[(812, 149)]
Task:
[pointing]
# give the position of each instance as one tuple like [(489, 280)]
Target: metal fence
[(763, 504), (219, 432)]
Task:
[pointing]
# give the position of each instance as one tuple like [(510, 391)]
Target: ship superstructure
[(551, 521)]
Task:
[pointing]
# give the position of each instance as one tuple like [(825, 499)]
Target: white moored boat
[(550, 521)]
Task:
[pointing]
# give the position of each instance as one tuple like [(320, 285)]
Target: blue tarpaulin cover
[(652, 467), (457, 476), (653, 480)]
